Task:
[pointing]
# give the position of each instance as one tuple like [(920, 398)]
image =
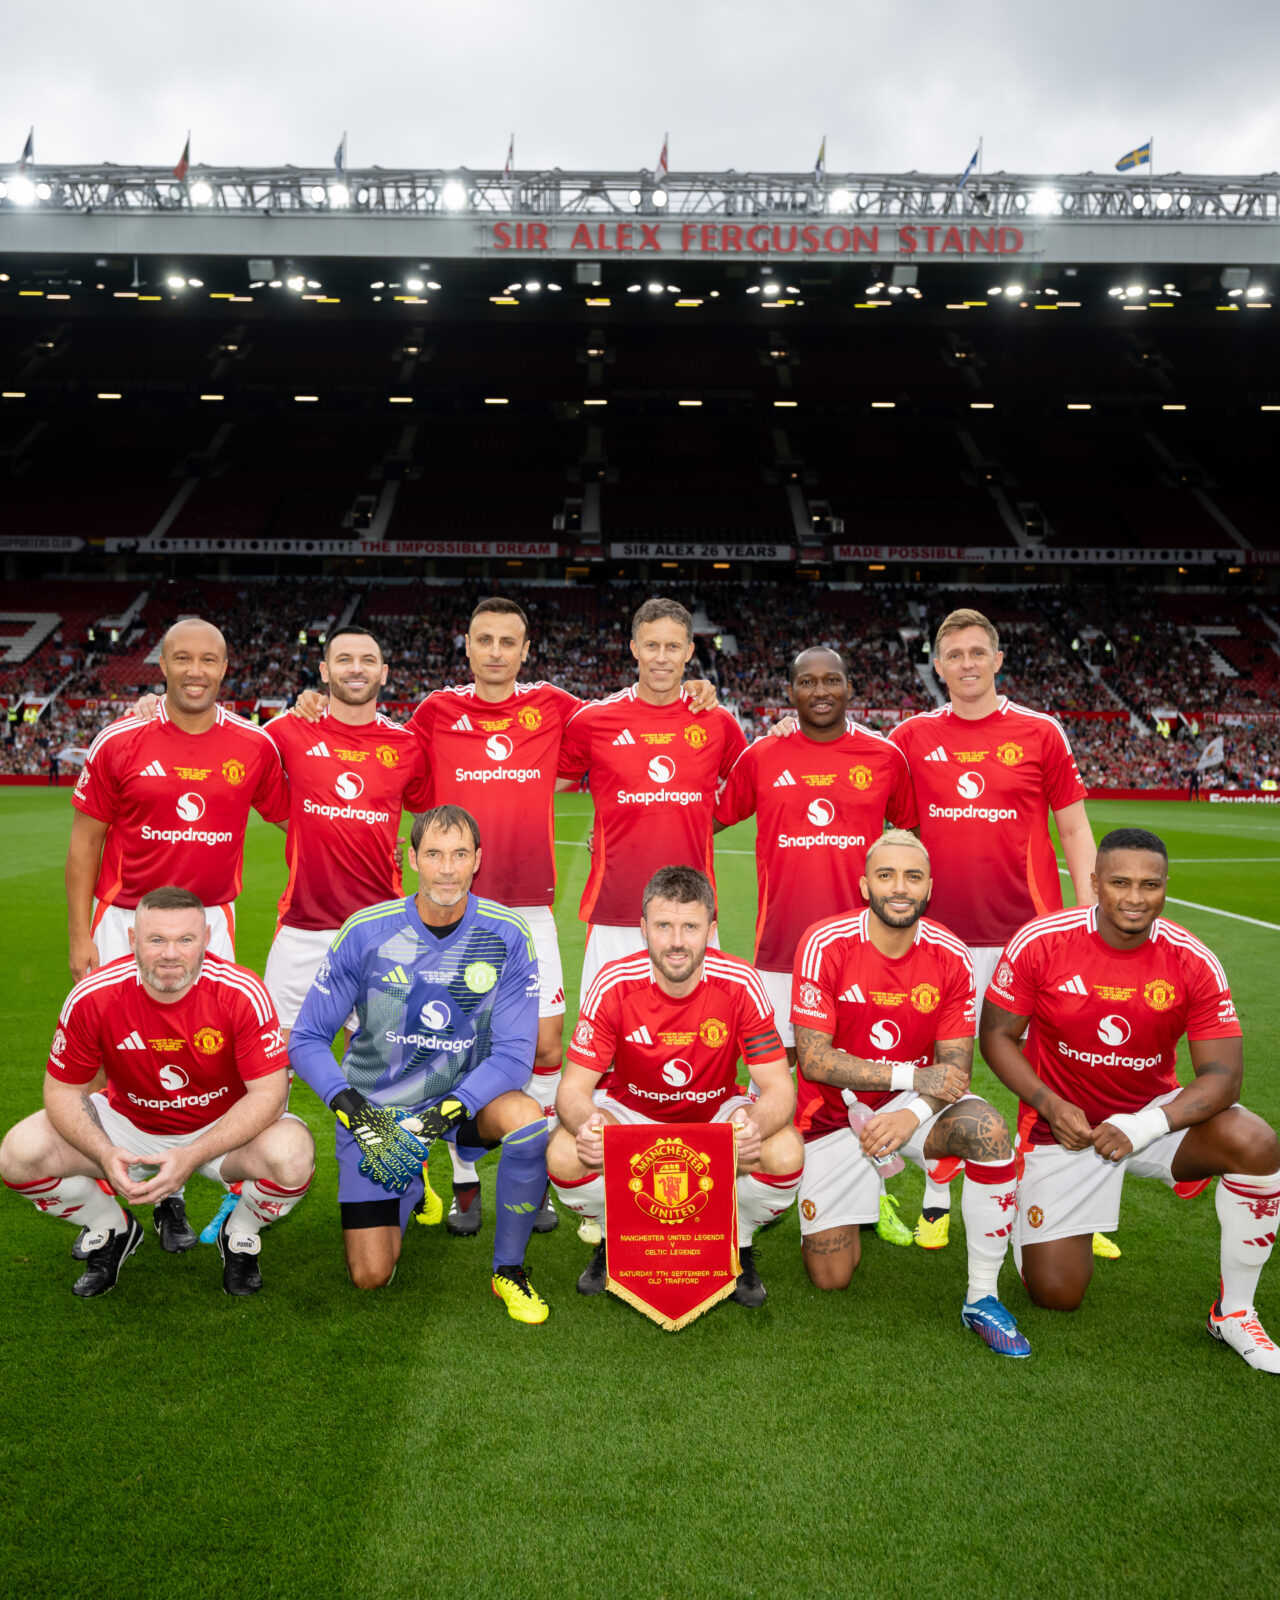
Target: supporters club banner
[(335, 547), (671, 1204), (701, 552), (1038, 555)]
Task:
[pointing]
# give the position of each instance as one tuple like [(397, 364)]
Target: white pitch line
[(1217, 911), (721, 850)]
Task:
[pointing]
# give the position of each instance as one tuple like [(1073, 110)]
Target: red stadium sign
[(671, 1204), (763, 239)]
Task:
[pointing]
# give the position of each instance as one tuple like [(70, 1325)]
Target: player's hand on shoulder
[(784, 727), (1110, 1143), (884, 1132), (146, 706), (309, 705), (702, 694), (590, 1142), (84, 958), (942, 1080), (1070, 1125), (746, 1140)]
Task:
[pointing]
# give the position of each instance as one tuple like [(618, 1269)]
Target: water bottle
[(887, 1166)]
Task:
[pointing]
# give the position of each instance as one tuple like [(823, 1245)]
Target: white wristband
[(920, 1109), (902, 1077), (1141, 1127)]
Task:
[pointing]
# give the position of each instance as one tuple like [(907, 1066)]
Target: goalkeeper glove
[(389, 1152), (435, 1122)]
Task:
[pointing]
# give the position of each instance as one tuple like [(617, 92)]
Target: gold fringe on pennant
[(671, 1324)]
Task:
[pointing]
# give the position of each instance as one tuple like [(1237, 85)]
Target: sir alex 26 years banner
[(671, 1208)]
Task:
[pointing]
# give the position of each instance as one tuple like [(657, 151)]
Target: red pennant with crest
[(671, 1208)]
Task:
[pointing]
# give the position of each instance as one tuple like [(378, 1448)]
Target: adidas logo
[(463, 725), (1074, 985), (784, 780), (853, 995), (133, 1042), (641, 1035), (396, 975), (937, 755), (153, 770), (625, 737), (321, 749)]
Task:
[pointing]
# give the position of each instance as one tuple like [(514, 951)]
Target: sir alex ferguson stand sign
[(671, 1204)]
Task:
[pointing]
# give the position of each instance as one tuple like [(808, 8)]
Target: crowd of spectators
[(1111, 755)]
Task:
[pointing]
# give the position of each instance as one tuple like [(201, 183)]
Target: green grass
[(416, 1443)]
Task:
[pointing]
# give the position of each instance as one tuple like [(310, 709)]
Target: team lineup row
[(977, 779)]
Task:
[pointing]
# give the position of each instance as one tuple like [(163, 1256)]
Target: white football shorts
[(1065, 1193), (777, 985), (110, 930), (840, 1187), (292, 961), (140, 1142), (542, 925)]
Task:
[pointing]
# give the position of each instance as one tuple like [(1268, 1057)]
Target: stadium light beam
[(22, 191), (453, 196), (201, 193)]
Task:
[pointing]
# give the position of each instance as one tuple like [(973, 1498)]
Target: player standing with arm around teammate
[(195, 1074), (655, 768), (883, 1007), (1108, 991), (987, 775), (445, 987), (671, 1022)]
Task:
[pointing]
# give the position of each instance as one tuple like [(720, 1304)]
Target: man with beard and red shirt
[(669, 1024), (1109, 990), (655, 769), (883, 1008), (164, 797), (196, 1080)]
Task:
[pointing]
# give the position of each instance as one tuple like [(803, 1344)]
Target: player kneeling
[(179, 1035), (883, 1009), (1111, 989), (671, 1021), (445, 991)]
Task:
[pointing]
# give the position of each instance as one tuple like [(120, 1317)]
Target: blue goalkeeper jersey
[(457, 1015)]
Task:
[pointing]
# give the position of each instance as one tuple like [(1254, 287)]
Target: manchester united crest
[(695, 736), (234, 772), (671, 1181), (208, 1041), (1010, 754), (530, 719), (1035, 1216), (860, 777), (713, 1032), (388, 755), (1159, 994), (925, 997)]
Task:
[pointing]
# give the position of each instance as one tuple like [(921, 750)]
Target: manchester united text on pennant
[(671, 1206)]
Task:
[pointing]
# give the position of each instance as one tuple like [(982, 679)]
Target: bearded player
[(676, 995), (655, 770), (819, 798), (1109, 990), (165, 1062), (988, 773), (493, 747), (883, 1007), (445, 989)]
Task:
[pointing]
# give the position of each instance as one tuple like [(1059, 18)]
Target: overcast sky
[(752, 85)]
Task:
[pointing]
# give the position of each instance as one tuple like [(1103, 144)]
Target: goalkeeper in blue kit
[(445, 989)]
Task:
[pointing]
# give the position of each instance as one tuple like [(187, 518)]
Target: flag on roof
[(340, 159), (663, 168), (1140, 157), (184, 161), (969, 170), (28, 151), (509, 168), (820, 165)]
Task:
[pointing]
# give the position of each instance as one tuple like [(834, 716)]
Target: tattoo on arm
[(91, 1111), (950, 1053), (821, 1062)]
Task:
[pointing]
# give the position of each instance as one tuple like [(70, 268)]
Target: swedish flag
[(1140, 157)]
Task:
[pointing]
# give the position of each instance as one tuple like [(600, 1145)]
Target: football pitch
[(314, 1441)]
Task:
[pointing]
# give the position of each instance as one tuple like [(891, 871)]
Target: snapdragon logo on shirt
[(184, 836), (317, 808), (973, 813), (496, 774), (431, 1041)]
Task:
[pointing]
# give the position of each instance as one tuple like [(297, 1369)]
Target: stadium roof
[(374, 214)]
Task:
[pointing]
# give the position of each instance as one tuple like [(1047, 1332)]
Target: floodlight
[(339, 195), (634, 288), (454, 196), (554, 287), (533, 286), (655, 288), (1255, 291), (43, 191), (21, 190), (1135, 291), (175, 282), (1163, 202), (1043, 201), (996, 288), (1139, 201), (296, 283), (634, 197), (1014, 289), (432, 284), (841, 200), (378, 284), (201, 193), (773, 288), (659, 198), (414, 285), (318, 195)]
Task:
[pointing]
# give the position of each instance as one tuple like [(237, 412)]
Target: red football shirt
[(876, 1007), (985, 790), (499, 759), (1105, 1023), (655, 772), (177, 804), (170, 1068), (348, 785), (675, 1060), (817, 807)]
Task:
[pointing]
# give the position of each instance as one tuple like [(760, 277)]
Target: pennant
[(184, 161), (1140, 157)]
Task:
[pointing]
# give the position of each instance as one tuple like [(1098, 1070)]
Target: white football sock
[(463, 1171), (260, 1204), (77, 1200), (583, 1195), (987, 1206), (937, 1196), (543, 1087), (761, 1197), (1247, 1209)]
